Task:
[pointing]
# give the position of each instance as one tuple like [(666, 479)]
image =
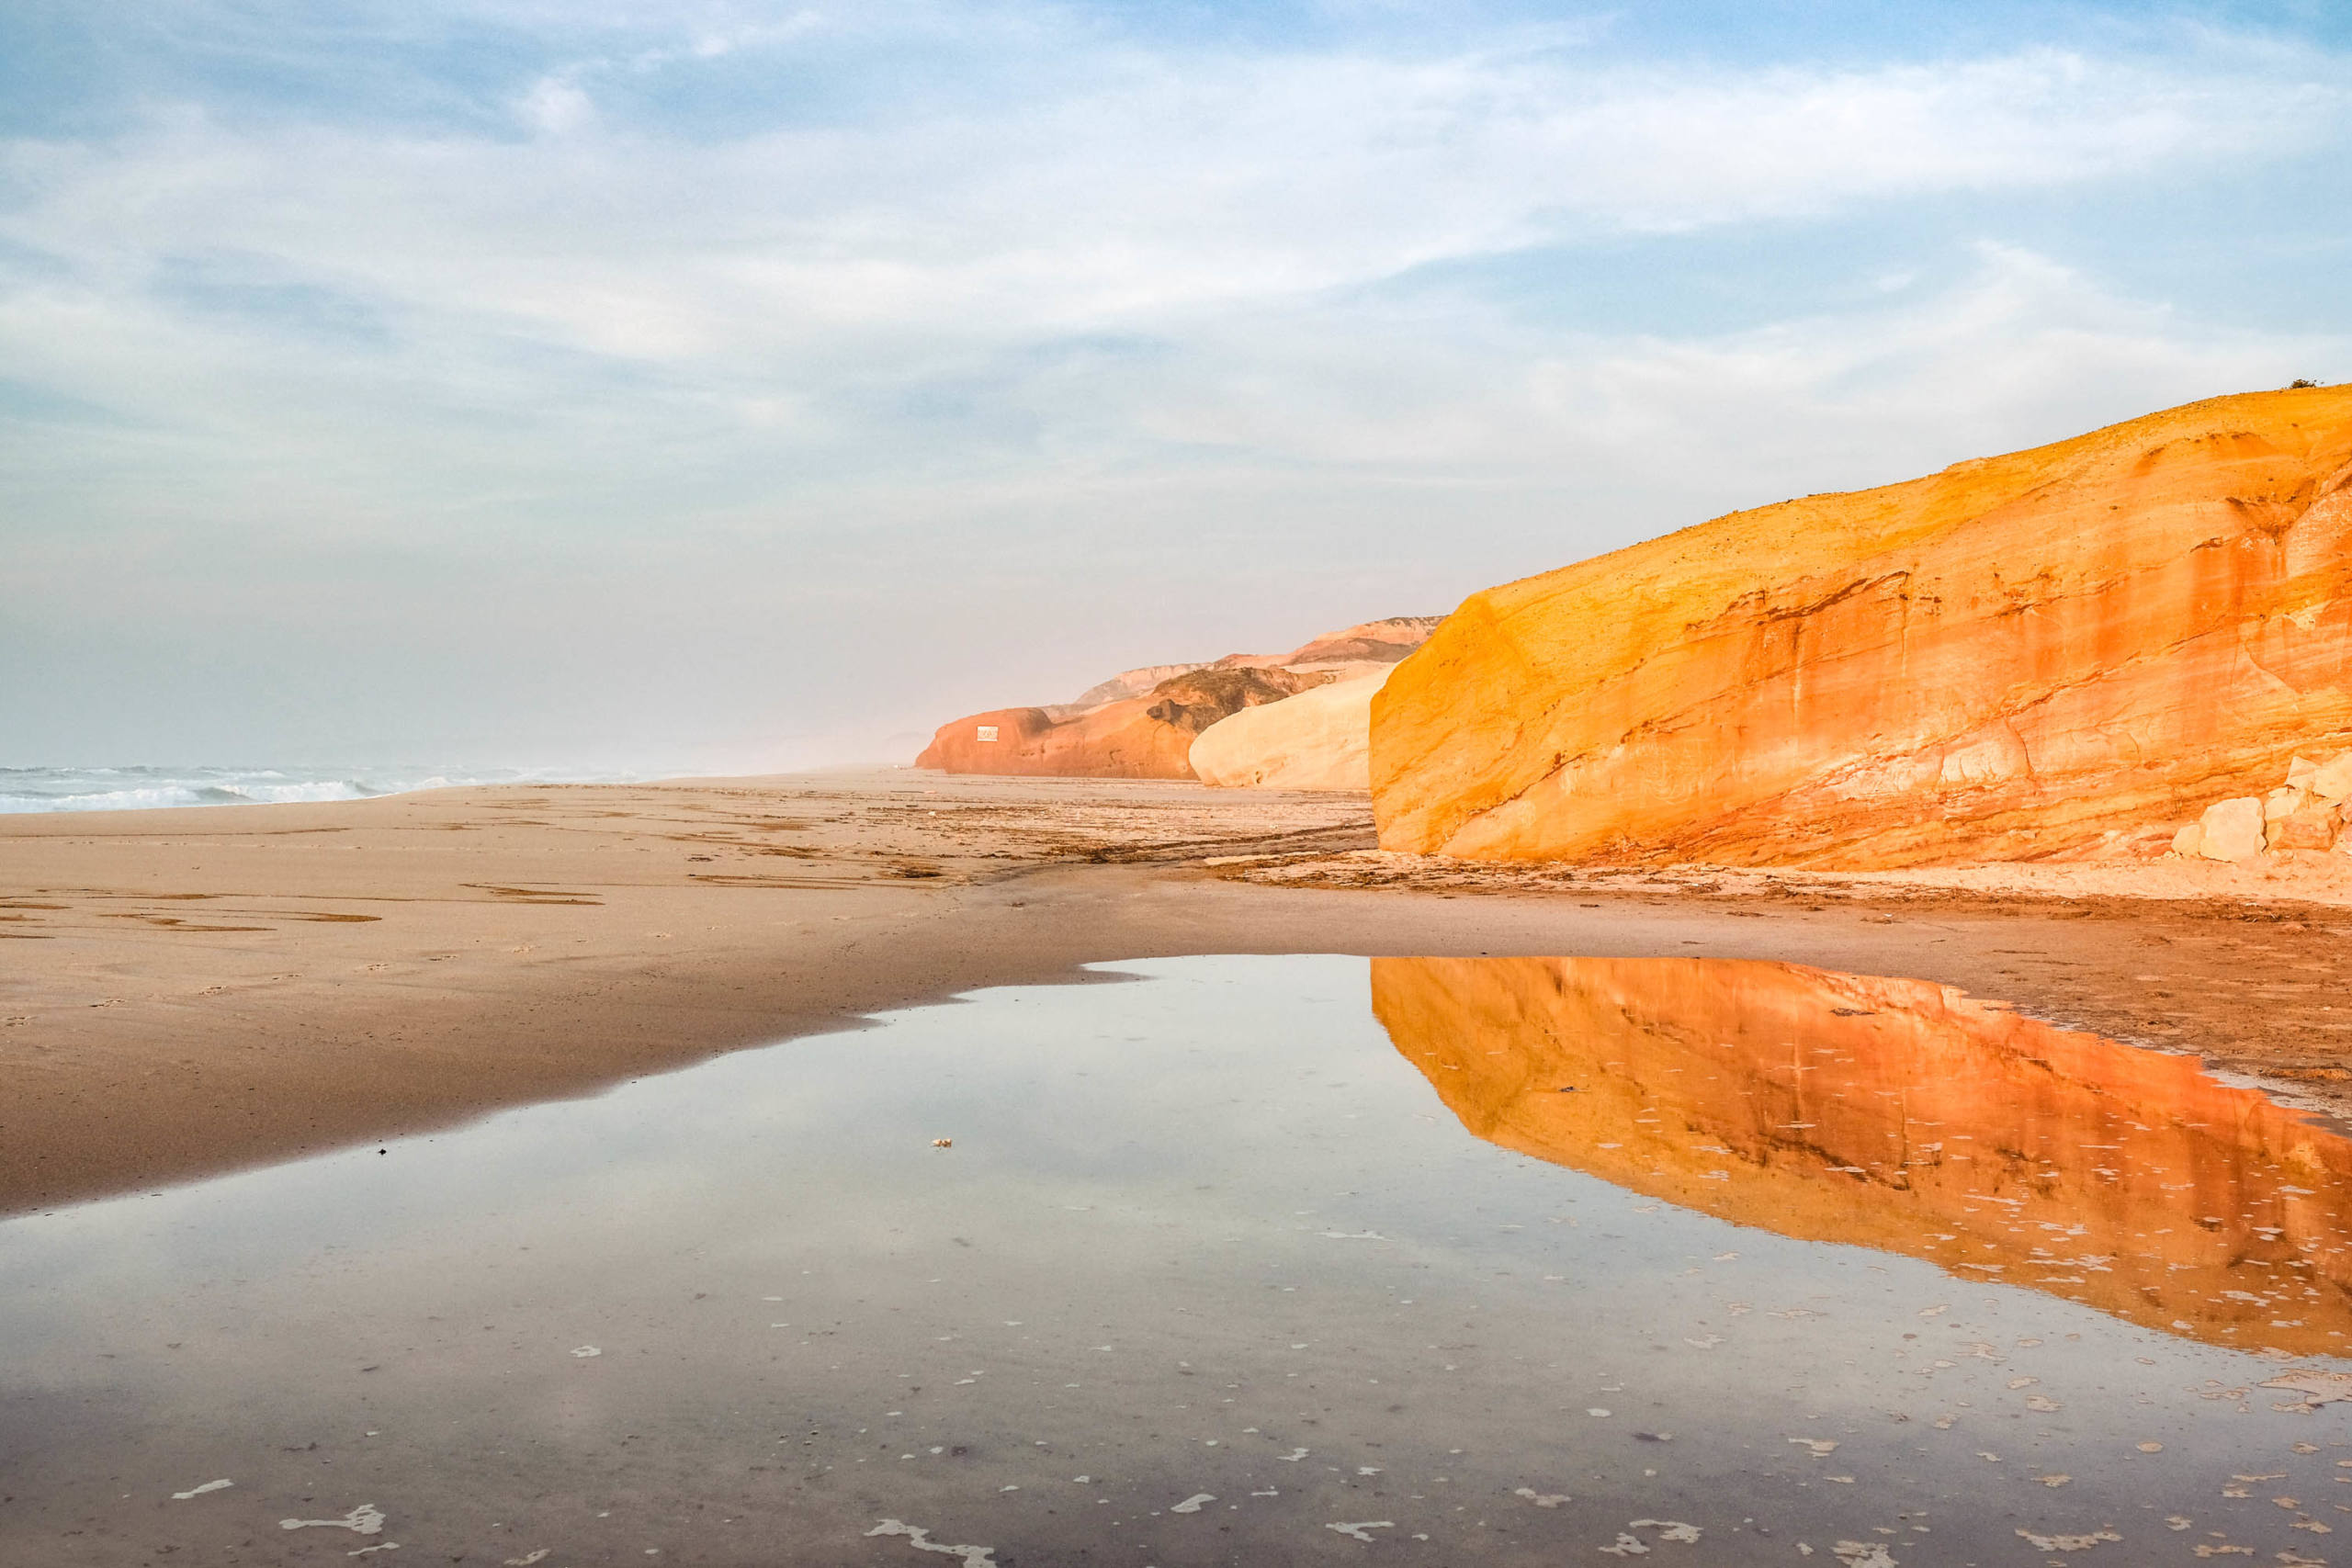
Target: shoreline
[(193, 991)]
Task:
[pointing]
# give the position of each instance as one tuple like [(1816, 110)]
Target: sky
[(717, 385)]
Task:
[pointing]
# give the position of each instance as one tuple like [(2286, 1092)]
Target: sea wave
[(153, 788)]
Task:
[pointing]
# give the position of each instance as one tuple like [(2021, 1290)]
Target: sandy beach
[(190, 992)]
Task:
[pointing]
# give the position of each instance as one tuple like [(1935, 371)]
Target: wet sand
[(190, 992)]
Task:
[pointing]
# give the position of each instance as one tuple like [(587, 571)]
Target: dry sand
[(191, 991)]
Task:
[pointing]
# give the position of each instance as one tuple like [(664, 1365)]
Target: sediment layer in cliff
[(2070, 651)]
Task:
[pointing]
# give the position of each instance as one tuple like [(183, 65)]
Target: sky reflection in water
[(1804, 1259)]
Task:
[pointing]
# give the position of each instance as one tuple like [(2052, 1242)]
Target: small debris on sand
[(1863, 1554), (2317, 1387), (943, 1143), (1541, 1499), (1193, 1504), (1822, 1447), (1631, 1545), (920, 1539), (364, 1520), (2067, 1542), (1356, 1531), (201, 1491), (584, 1351)]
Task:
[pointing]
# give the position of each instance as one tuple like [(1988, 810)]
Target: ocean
[(131, 789)]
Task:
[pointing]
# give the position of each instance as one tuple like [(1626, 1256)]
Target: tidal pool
[(1240, 1260)]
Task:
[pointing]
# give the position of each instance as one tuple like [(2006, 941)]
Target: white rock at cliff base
[(2331, 780), (2232, 830)]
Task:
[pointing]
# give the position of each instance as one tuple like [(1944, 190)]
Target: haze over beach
[(1174, 784)]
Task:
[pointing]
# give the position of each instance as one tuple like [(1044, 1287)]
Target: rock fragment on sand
[(2232, 830)]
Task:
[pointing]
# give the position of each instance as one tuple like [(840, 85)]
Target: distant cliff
[(1317, 740), (2067, 651), (1142, 723)]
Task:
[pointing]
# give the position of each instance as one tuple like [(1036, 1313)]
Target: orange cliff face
[(2068, 651), (1900, 1115), (1149, 737), (1141, 724)]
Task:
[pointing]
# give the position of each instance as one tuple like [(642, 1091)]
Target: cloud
[(1132, 186), (1079, 309), (555, 107)]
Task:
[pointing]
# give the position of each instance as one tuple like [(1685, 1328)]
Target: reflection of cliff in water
[(1900, 1115)]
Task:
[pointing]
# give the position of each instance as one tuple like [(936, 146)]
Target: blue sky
[(734, 385)]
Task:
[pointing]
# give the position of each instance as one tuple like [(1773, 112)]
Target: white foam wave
[(153, 788)]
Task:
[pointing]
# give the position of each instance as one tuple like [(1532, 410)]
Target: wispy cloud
[(678, 280)]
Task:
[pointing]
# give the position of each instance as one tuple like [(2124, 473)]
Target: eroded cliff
[(1142, 723), (1149, 737), (2066, 651)]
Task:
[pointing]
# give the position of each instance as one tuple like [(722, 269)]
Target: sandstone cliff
[(1904, 1116), (1370, 642), (1141, 723), (1317, 740), (2067, 651), (1148, 737)]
